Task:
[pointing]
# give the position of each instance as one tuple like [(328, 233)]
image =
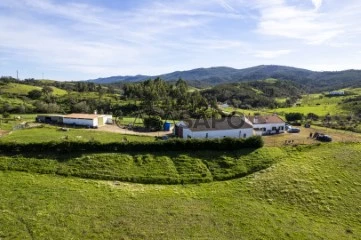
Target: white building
[(335, 93), (265, 125), (89, 120), (235, 127)]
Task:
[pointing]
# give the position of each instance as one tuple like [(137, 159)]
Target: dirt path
[(303, 137), (116, 129), (3, 132)]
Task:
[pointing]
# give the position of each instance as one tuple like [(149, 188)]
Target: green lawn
[(49, 133), (313, 194), (130, 120)]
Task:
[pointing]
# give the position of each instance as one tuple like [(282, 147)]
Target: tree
[(153, 123), (81, 107), (47, 90), (6, 115), (293, 116), (35, 94), (312, 116)]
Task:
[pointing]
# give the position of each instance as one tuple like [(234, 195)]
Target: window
[(244, 135), (274, 128), (206, 135), (282, 128)]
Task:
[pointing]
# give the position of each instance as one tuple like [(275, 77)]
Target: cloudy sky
[(79, 39)]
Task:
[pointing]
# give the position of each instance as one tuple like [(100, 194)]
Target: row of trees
[(158, 97)]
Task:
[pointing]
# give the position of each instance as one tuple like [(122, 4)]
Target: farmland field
[(48, 133), (314, 193)]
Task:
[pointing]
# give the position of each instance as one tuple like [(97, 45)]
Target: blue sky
[(78, 39)]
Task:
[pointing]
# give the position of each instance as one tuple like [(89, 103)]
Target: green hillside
[(23, 89), (314, 193)]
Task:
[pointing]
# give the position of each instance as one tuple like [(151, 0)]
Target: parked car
[(324, 138), (293, 130)]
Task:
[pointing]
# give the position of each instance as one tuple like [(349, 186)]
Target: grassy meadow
[(163, 167), (313, 193), (46, 133), (23, 89)]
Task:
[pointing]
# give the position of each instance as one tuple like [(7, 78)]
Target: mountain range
[(202, 77)]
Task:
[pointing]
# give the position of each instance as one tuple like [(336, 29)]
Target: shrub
[(159, 146), (153, 123), (294, 116), (6, 115)]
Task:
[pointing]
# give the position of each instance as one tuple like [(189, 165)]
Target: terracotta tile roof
[(265, 119), (212, 124), (82, 116)]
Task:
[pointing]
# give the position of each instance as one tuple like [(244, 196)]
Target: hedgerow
[(224, 144)]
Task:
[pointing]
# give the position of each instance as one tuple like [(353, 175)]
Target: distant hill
[(217, 75)]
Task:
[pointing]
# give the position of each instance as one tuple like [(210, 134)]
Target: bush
[(224, 144), (153, 123), (294, 116), (6, 115)]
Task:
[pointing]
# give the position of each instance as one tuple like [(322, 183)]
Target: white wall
[(234, 133), (269, 126), (108, 119), (81, 122)]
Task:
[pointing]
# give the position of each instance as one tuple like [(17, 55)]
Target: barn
[(88, 120), (266, 125), (235, 127)]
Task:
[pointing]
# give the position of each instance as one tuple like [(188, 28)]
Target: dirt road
[(116, 129)]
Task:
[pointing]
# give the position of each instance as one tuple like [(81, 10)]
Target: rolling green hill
[(23, 89), (312, 80), (313, 193)]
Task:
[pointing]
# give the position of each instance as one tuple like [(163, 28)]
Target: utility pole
[(17, 74), (42, 74)]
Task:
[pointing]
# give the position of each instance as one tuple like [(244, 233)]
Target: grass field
[(163, 167), (23, 89), (312, 103), (49, 133), (313, 194)]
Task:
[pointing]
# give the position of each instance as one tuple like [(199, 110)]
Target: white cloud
[(317, 4), (163, 35), (271, 53), (295, 22), (226, 5)]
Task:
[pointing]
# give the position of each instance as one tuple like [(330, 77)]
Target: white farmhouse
[(89, 120), (235, 127), (265, 125)]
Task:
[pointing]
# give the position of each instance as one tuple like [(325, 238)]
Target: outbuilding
[(50, 118), (235, 127), (88, 120)]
